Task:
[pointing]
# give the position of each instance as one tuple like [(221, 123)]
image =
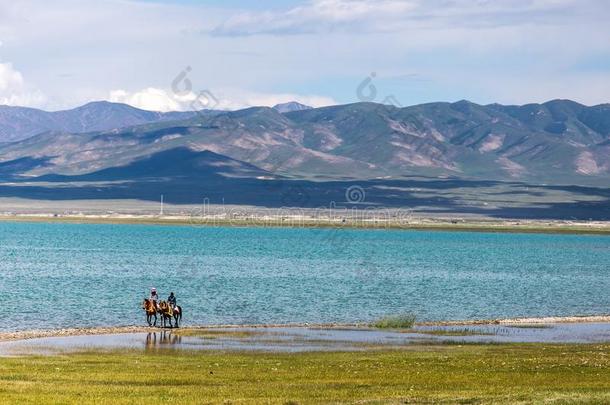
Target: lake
[(78, 275)]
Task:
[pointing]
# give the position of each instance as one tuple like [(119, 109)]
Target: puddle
[(527, 333), (298, 339)]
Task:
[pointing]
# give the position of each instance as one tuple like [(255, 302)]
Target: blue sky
[(239, 53)]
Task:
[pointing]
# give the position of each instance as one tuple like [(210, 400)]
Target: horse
[(163, 339), (177, 315), (149, 307), (167, 313)]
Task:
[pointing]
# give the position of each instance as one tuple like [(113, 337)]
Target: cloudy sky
[(178, 55)]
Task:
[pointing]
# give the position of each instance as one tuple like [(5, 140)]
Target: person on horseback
[(171, 300), (154, 297)]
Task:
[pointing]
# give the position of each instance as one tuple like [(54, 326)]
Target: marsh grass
[(403, 321), (506, 373), (458, 332)]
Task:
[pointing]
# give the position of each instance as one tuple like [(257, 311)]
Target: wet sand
[(103, 330), (297, 338), (521, 321)]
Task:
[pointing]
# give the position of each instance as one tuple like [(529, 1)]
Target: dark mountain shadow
[(146, 136), (583, 190), (173, 164), (184, 176), (21, 165), (302, 194)]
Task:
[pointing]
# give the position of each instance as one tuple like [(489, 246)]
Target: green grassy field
[(444, 373)]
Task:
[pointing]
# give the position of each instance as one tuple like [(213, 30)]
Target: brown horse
[(149, 307), (167, 312), (154, 340)]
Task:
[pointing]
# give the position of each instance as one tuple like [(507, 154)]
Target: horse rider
[(154, 297), (171, 300)]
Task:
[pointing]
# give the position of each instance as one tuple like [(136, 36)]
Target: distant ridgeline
[(540, 160)]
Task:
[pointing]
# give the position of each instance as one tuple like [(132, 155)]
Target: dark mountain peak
[(100, 103), (563, 102), (177, 163), (252, 111), (107, 106), (291, 107), (353, 113), (360, 107), (465, 106), (464, 102), (262, 116)]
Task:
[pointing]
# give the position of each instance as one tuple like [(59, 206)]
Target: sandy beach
[(381, 220)]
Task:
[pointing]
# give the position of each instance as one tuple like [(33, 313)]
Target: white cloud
[(365, 16), (14, 91), (233, 99), (484, 50), (9, 77), (315, 16), (147, 99), (155, 99)]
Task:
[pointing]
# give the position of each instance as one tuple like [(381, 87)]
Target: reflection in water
[(155, 340), (298, 339)]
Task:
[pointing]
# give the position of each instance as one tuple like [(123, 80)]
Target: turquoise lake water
[(68, 275)]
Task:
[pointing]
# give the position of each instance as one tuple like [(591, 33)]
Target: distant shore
[(45, 333), (303, 221)]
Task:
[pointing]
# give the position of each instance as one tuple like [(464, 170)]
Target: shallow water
[(298, 339), (70, 275)]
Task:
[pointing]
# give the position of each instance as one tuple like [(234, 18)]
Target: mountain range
[(556, 142), (559, 142), (18, 123)]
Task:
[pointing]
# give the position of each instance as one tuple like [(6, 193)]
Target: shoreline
[(413, 224), (104, 330)]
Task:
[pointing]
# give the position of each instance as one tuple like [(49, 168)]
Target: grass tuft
[(404, 321), (458, 332), (530, 326)]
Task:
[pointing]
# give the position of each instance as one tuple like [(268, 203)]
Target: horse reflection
[(163, 339)]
